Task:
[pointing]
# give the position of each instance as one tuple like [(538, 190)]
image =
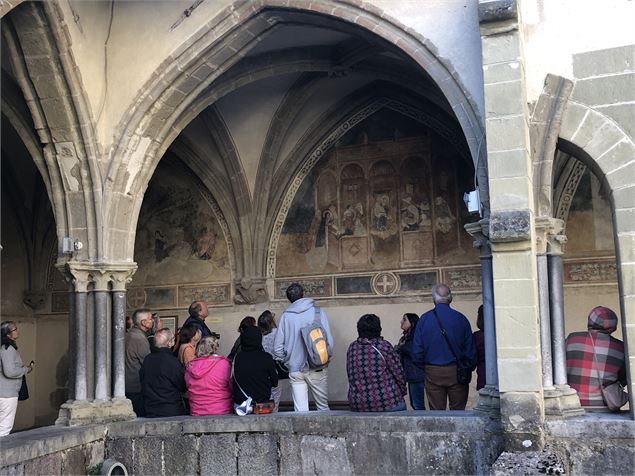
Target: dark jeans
[(442, 385), (416, 392), (137, 403)]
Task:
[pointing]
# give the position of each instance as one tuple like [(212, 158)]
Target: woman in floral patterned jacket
[(375, 376)]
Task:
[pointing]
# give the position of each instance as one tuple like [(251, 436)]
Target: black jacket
[(254, 369), (205, 331), (162, 383)]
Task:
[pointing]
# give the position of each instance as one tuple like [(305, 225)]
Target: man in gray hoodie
[(289, 347)]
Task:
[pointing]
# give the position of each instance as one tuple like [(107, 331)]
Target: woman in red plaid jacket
[(585, 372)]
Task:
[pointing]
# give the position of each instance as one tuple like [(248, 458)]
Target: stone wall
[(333, 443)]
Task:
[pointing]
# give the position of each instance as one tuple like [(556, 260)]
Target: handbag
[(613, 394), (23, 394), (464, 365), (264, 408), (281, 370)]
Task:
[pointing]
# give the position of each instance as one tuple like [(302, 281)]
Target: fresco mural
[(179, 239), (382, 198)]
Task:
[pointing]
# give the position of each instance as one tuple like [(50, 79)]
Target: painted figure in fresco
[(352, 223), (161, 248), (445, 219), (380, 212), (328, 223), (205, 244)]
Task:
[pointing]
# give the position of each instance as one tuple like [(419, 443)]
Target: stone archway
[(598, 142), (146, 132)]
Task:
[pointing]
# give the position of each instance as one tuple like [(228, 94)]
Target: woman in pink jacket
[(208, 380)]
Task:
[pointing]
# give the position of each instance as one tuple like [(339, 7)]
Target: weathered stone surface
[(326, 455), (257, 454), (605, 89), (622, 114), (179, 455), (218, 454), (120, 449), (94, 453), (506, 226), (49, 464), (17, 470), (529, 462), (290, 454), (521, 416), (601, 62), (394, 449), (147, 456), (496, 10), (74, 461)]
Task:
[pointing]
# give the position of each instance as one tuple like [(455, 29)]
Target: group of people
[(168, 375)]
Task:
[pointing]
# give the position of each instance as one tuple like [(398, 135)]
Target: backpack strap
[(445, 336), (234, 377)]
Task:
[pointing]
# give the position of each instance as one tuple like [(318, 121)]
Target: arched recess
[(42, 63), (149, 127), (341, 119), (600, 144)]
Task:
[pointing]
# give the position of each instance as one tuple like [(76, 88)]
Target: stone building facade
[(153, 154)]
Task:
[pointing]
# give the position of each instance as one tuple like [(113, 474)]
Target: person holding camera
[(12, 372)]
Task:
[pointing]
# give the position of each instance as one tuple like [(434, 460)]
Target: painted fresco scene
[(386, 196)]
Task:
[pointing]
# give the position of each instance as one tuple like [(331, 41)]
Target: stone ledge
[(31, 444), (599, 425)]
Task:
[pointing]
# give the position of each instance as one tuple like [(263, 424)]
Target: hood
[(602, 319), (200, 366), (300, 306), (251, 339)]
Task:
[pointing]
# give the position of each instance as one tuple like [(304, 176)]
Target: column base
[(75, 413), (489, 401), (562, 401)]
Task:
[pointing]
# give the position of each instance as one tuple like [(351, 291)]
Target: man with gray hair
[(162, 379), (443, 336), (137, 347)]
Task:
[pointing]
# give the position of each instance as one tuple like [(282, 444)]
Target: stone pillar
[(560, 399), (103, 408), (488, 396), (101, 293), (119, 281), (511, 231)]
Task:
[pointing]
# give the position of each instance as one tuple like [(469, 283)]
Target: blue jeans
[(416, 392)]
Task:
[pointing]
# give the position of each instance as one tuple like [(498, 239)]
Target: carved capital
[(101, 274), (480, 232), (550, 237)]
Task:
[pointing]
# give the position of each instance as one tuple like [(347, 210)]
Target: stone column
[(101, 293), (119, 280), (511, 231), (102, 409), (488, 396), (560, 399)]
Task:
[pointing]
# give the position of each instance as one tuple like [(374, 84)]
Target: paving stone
[(257, 454), (218, 454)]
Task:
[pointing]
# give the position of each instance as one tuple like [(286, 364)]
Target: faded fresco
[(381, 199), (179, 240)]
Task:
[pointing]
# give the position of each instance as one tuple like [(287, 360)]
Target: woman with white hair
[(11, 373), (208, 380)]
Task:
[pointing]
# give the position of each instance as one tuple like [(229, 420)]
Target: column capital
[(101, 274), (480, 232), (550, 237)]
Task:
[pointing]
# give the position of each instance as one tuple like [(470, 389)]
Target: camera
[(216, 335)]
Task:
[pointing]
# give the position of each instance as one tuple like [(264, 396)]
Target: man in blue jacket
[(289, 347), (431, 351)]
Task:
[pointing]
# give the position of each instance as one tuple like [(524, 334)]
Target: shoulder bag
[(464, 365), (613, 394)]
